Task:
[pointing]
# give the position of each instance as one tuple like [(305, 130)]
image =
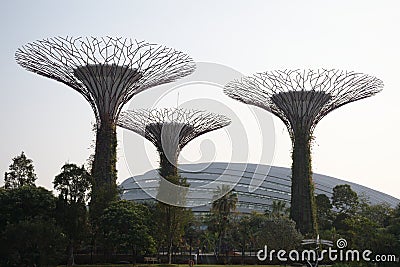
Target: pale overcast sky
[(358, 142)]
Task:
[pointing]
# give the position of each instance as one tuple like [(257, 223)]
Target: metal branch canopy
[(106, 71), (171, 129), (301, 98)]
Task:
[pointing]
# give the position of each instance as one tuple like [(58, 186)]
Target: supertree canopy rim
[(170, 130), (177, 124), (306, 94), (107, 71)]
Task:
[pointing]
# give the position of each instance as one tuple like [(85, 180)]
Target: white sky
[(358, 142)]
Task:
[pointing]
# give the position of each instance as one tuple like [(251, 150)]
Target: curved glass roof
[(274, 185)]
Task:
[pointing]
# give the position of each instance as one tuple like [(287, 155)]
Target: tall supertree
[(107, 72), (301, 98), (170, 130)]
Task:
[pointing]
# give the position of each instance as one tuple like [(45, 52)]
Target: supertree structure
[(301, 98), (107, 72), (170, 130)]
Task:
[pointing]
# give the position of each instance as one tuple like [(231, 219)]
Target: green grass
[(180, 265)]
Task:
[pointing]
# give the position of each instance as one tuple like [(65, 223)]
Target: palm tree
[(278, 209)]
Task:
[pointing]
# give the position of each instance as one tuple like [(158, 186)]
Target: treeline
[(39, 228)]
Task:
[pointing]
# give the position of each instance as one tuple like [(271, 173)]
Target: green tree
[(379, 213), (344, 199), (171, 223), (363, 233), (346, 203), (171, 220), (25, 202), (248, 232), (73, 184), (21, 172), (207, 240), (278, 209), (29, 234), (221, 212), (255, 223), (394, 227), (243, 232), (32, 242), (277, 232), (125, 226), (225, 204), (369, 227), (324, 212), (192, 233)]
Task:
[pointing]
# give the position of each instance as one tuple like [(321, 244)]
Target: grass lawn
[(177, 265)]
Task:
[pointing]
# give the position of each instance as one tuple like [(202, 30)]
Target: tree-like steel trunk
[(169, 171), (167, 168), (104, 174), (302, 209)]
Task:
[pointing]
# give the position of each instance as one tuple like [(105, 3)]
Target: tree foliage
[(324, 212), (344, 199), (32, 242), (171, 220), (278, 209), (250, 232), (363, 225), (21, 172), (73, 185), (221, 213), (125, 226), (26, 202), (226, 204), (37, 228), (394, 228), (29, 233)]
